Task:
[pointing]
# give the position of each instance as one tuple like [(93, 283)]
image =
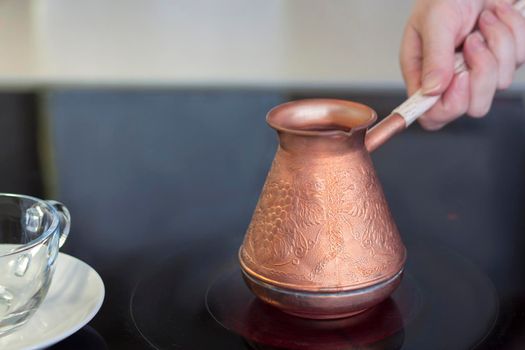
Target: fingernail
[(488, 17), (476, 41), (431, 82)]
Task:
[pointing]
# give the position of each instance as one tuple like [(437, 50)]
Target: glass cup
[(31, 232)]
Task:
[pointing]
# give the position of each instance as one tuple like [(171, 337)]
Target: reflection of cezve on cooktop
[(443, 302)]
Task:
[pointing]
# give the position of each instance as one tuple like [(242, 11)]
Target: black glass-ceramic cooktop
[(196, 299), (170, 267)]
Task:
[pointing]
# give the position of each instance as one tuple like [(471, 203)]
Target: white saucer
[(75, 296)]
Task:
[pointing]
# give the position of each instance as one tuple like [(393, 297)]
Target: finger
[(410, 59), (483, 74), (494, 3), (438, 55), (453, 103), (500, 41), (516, 23)]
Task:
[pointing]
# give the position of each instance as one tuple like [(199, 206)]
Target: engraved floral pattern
[(304, 224), (280, 217), (372, 208)]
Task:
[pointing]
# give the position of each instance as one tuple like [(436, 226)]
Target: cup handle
[(65, 220)]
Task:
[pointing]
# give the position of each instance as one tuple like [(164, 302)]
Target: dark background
[(145, 173)]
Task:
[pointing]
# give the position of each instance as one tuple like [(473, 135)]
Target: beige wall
[(336, 43)]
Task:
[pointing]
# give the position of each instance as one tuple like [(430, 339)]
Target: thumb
[(438, 58)]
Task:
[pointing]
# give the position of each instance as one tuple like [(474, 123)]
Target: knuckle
[(506, 77), (516, 25), (520, 56), (520, 52), (517, 22), (476, 113), (489, 66), (463, 108), (430, 125), (436, 118), (457, 103), (499, 39), (449, 113), (456, 108), (504, 83), (457, 112), (484, 61), (479, 111)]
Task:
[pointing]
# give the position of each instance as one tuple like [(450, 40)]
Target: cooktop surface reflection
[(196, 298)]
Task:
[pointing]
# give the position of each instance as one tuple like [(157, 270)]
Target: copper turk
[(322, 242)]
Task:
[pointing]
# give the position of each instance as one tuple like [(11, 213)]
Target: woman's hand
[(436, 29)]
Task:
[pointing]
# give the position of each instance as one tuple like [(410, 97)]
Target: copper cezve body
[(322, 242)]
